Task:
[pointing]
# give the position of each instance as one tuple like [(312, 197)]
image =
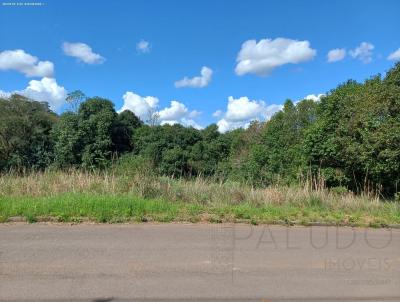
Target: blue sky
[(286, 59)]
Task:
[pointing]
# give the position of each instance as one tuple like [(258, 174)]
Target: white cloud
[(142, 106), (45, 90), (224, 125), (314, 97), (336, 54), (196, 82), (271, 110), (195, 113), (4, 94), (363, 52), (190, 123), (243, 109), (217, 113), (169, 122), (143, 46), (82, 52), (176, 113), (240, 112), (394, 55), (184, 121), (262, 57), (25, 63)]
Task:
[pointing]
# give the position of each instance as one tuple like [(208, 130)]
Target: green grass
[(78, 196), (118, 208)]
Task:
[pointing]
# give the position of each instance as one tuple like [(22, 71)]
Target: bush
[(339, 190), (131, 165)]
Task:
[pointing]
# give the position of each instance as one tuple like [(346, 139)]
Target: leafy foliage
[(356, 139), (90, 137), (25, 140), (350, 139)]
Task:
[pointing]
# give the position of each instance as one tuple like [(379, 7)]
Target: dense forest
[(350, 139)]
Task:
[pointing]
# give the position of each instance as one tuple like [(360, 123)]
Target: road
[(197, 262)]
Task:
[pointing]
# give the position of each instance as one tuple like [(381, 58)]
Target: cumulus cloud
[(243, 109), (143, 106), (82, 52), (225, 125), (194, 113), (314, 97), (25, 63), (45, 90), (363, 52), (190, 123), (176, 111), (240, 112), (183, 121), (394, 56), (262, 57), (5, 94), (217, 113), (143, 46), (336, 54), (196, 82), (169, 122)]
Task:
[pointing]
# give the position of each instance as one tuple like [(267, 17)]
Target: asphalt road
[(185, 262)]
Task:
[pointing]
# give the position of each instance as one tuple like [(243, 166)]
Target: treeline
[(349, 139)]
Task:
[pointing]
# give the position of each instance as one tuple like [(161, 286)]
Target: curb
[(246, 221), (16, 219)]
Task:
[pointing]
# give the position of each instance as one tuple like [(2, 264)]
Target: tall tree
[(123, 130), (74, 99), (25, 141), (90, 137), (356, 138)]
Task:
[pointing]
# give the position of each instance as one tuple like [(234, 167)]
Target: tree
[(123, 130), (25, 141), (153, 117), (271, 151), (351, 137), (74, 99), (91, 137), (356, 139), (208, 152), (69, 141), (161, 143)]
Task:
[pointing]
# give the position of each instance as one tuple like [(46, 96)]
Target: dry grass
[(203, 191), (109, 197)]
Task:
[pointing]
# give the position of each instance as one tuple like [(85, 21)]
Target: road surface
[(197, 262)]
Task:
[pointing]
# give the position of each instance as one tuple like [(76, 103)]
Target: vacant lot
[(103, 197)]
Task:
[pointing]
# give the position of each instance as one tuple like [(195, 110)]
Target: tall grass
[(199, 190), (111, 194)]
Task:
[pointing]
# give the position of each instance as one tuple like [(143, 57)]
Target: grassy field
[(100, 197)]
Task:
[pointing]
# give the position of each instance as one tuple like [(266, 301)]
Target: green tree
[(356, 138), (123, 130), (271, 152), (208, 152), (162, 143), (91, 137), (25, 141), (69, 141), (74, 99)]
